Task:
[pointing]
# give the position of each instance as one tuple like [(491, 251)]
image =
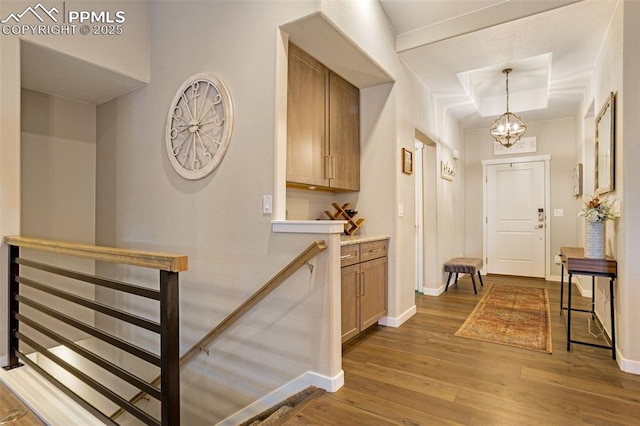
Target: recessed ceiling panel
[(572, 34), (528, 86)]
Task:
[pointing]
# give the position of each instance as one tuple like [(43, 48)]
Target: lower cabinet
[(364, 286)]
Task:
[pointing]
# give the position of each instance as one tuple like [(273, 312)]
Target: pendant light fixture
[(508, 128)]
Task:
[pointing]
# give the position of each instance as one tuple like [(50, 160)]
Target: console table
[(574, 262)]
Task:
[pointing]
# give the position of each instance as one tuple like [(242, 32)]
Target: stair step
[(287, 409)]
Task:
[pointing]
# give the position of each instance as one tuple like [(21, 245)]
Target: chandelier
[(508, 128)]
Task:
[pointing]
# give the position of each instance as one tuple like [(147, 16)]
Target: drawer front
[(350, 254), (373, 250)]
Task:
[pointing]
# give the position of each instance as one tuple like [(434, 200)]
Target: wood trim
[(147, 259), (418, 135)]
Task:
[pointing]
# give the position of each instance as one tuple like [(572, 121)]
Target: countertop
[(346, 240)]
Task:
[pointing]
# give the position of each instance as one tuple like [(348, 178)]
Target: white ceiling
[(459, 48), (49, 71)]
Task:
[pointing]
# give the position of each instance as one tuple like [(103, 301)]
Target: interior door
[(516, 219)]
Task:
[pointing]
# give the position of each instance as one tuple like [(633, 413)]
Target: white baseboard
[(627, 365), (585, 290), (433, 291), (330, 384), (398, 321)]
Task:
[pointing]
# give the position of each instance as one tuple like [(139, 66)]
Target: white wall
[(58, 159), (143, 203), (105, 53), (390, 114), (617, 64), (217, 221), (58, 156), (607, 78), (629, 154), (556, 138)]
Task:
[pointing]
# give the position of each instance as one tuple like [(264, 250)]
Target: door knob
[(538, 226)]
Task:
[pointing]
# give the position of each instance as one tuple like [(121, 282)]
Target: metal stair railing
[(168, 361)]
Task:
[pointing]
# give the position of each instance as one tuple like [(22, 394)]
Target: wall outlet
[(558, 212), (557, 259)]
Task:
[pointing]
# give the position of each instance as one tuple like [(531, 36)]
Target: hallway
[(422, 374)]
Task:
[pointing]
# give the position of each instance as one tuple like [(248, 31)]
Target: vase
[(594, 240)]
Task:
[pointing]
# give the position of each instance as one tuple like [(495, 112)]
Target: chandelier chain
[(507, 72)]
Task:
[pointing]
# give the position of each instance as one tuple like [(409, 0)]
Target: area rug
[(511, 315)]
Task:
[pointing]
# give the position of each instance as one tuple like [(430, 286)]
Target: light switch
[(617, 208), (400, 209), (267, 204), (558, 212)]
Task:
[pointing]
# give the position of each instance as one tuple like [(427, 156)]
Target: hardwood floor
[(421, 374), (8, 403)]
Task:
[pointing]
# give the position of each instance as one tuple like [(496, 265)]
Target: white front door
[(516, 219)]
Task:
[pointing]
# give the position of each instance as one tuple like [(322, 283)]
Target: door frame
[(419, 188), (547, 205)]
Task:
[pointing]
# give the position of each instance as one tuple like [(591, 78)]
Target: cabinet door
[(306, 119), (373, 291), (344, 134), (350, 302)]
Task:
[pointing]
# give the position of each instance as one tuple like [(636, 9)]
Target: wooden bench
[(465, 265)]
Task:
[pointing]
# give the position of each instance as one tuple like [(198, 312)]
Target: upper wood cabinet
[(323, 126)]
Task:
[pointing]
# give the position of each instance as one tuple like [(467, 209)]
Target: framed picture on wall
[(576, 179), (407, 161), (447, 171)]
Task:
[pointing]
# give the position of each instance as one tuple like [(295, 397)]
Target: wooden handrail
[(304, 257), (279, 278), (147, 259)]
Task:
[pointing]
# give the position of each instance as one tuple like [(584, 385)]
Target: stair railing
[(168, 328), (303, 259)]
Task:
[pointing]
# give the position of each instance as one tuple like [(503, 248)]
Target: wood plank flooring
[(421, 374), (8, 402)]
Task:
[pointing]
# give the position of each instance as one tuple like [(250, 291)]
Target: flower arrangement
[(597, 210)]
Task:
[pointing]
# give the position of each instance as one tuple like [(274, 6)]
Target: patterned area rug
[(511, 315)]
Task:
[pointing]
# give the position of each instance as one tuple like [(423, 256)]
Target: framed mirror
[(605, 144)]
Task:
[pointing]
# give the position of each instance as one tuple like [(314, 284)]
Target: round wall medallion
[(199, 126)]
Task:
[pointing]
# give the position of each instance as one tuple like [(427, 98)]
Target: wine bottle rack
[(352, 225)]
